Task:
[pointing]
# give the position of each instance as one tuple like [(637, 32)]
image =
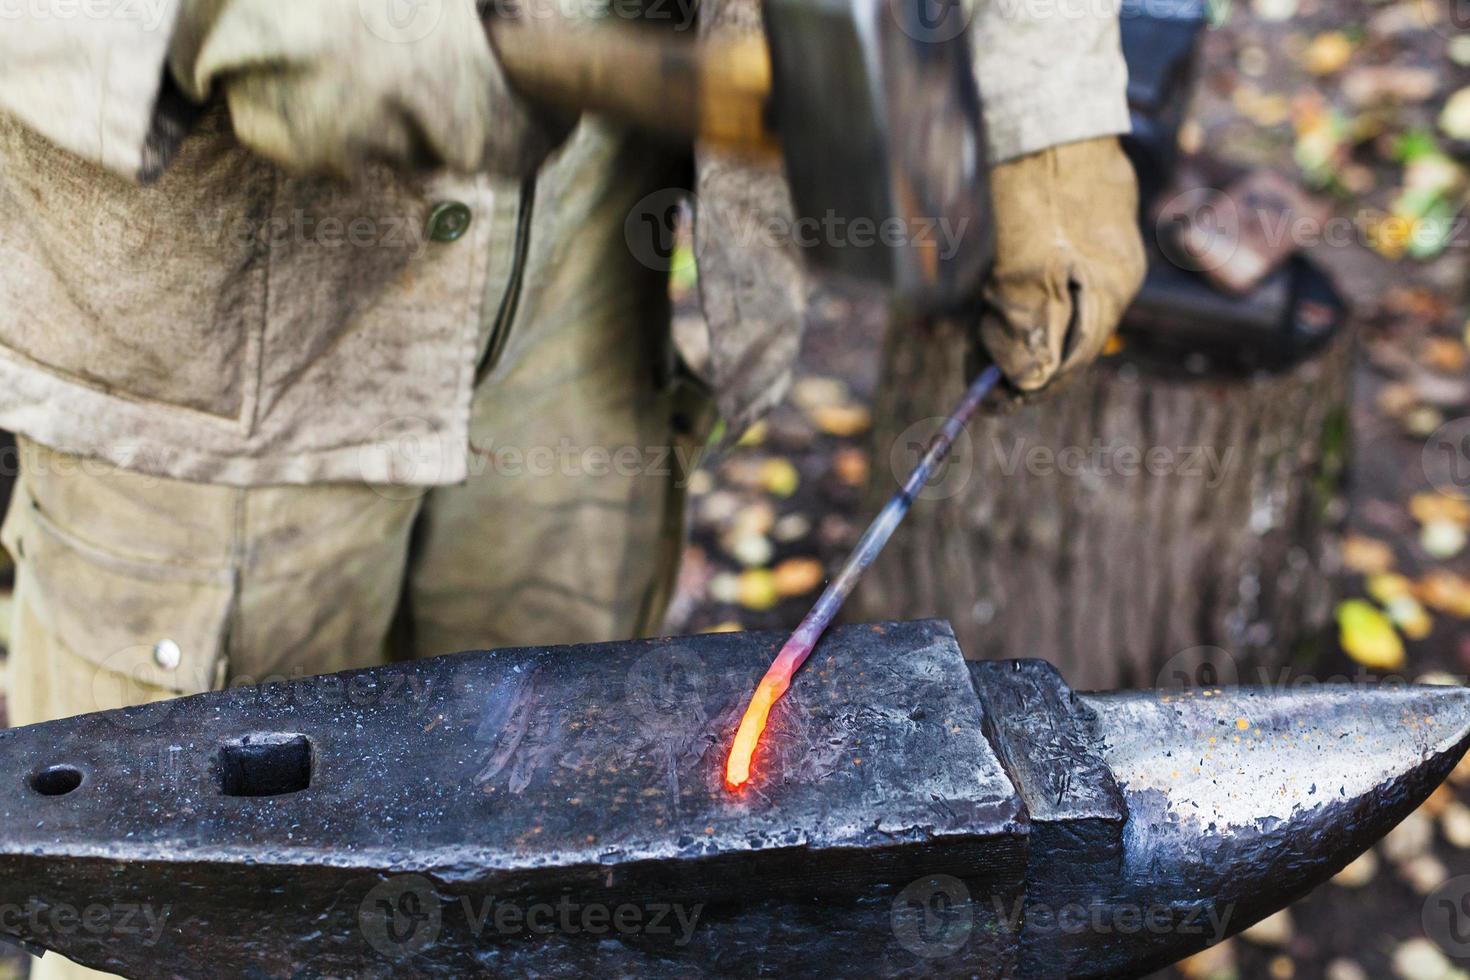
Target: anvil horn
[(561, 811)]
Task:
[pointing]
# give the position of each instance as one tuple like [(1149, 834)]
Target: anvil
[(561, 812)]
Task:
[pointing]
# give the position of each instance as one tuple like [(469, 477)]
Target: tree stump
[(1123, 525)]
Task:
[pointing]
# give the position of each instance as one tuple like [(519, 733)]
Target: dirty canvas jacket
[(229, 322)]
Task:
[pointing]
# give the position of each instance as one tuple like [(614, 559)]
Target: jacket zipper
[(509, 302)]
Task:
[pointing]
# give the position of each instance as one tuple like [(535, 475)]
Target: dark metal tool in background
[(928, 816), (872, 104), (1180, 318)]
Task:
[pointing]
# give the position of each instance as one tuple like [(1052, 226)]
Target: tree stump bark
[(1123, 525)]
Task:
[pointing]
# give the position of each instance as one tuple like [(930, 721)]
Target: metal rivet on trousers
[(448, 221), (166, 654)]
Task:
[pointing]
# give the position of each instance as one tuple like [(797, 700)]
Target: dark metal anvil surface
[(560, 812)]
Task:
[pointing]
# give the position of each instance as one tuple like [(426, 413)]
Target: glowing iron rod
[(796, 649)]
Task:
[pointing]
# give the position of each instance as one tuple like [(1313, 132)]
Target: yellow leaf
[(779, 477), (841, 420), (1366, 555), (757, 589), (1368, 636), (753, 436), (1388, 586), (1328, 53), (728, 626)]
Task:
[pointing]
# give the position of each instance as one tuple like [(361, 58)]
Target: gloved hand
[(1069, 259), (329, 86)]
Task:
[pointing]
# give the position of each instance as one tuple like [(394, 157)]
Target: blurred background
[(1328, 544)]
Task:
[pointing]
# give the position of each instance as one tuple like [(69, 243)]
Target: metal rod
[(795, 651)]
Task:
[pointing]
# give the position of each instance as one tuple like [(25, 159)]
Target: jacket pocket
[(154, 294), (138, 622)]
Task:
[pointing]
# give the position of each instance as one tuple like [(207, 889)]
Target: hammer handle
[(714, 92)]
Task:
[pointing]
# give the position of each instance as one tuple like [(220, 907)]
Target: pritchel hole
[(264, 765), (56, 780)]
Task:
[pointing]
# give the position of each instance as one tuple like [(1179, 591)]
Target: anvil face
[(562, 812)]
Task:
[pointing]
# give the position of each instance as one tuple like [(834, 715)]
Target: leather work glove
[(330, 86), (1068, 260)]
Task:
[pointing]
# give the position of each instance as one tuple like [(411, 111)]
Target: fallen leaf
[(1274, 10), (1388, 586), (1420, 959), (851, 467), (1455, 822), (1425, 873), (728, 626), (1443, 354), (757, 589), (1329, 52), (1376, 85), (1410, 616), (725, 587), (751, 549), (1422, 421), (841, 420), (1276, 929), (1368, 556), (792, 527), (814, 391), (1441, 539), (1397, 399), (756, 518), (1359, 872), (798, 576), (1445, 591), (1413, 836), (1429, 507), (1212, 963), (1454, 118), (778, 476), (1367, 635)]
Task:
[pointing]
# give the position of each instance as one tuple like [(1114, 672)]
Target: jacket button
[(448, 221), (166, 654)]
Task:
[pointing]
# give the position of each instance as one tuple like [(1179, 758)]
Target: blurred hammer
[(872, 104)]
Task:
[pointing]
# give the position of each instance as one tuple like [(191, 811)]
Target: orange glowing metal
[(796, 649)]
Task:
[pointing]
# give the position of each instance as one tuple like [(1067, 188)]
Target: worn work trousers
[(132, 588)]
